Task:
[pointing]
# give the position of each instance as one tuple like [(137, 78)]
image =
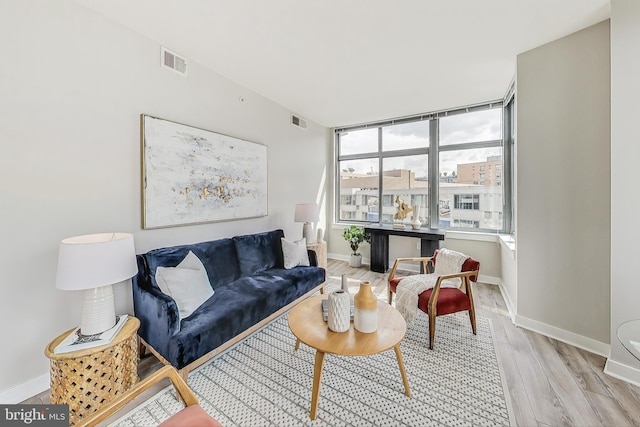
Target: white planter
[(355, 261)]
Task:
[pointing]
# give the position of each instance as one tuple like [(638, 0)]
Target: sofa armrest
[(313, 257), (157, 312)]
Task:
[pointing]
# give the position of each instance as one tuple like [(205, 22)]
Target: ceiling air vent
[(299, 122), (173, 61)]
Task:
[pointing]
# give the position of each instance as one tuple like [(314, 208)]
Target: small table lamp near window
[(307, 213), (93, 263)]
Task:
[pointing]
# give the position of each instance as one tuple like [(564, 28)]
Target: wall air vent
[(173, 61), (298, 121)]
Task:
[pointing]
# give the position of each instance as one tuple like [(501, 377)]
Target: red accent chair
[(440, 301), (191, 415)]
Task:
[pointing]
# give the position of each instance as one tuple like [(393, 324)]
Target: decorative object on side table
[(76, 341), (345, 283), (415, 222), (402, 211), (355, 236), (365, 315), (93, 263), (89, 379), (308, 213), (339, 316)]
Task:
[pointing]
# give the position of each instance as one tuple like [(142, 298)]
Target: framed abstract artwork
[(192, 175)]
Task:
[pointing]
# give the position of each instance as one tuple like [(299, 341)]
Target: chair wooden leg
[(472, 309), (472, 317), (390, 297), (432, 330)]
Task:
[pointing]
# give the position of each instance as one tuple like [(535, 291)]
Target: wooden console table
[(429, 242)]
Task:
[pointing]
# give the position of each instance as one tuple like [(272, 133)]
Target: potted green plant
[(355, 236)]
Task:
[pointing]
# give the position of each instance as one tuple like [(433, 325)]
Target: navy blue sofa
[(251, 288)]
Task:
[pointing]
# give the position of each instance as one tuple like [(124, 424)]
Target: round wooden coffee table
[(306, 323)]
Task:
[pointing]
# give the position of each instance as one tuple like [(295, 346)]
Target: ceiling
[(339, 62)]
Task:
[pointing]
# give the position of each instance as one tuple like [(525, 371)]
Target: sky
[(477, 126)]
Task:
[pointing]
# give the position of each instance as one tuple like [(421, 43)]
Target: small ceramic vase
[(338, 316), (415, 222), (345, 283), (365, 315)]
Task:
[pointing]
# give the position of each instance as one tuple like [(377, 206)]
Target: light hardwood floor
[(549, 382)]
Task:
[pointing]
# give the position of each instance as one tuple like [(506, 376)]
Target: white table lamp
[(307, 213), (93, 263)]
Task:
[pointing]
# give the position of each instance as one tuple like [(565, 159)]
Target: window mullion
[(434, 213), (471, 145), (507, 174), (380, 201)]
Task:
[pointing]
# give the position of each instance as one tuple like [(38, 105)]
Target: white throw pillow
[(295, 253), (187, 283)]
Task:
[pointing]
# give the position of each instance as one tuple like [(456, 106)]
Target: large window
[(449, 163)]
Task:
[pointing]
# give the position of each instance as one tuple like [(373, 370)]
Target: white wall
[(72, 87), (509, 276), (563, 187), (625, 198)]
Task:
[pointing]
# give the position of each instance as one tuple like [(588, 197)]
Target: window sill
[(508, 242), (474, 236)]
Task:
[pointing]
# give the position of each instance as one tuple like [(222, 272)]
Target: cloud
[(483, 125), (477, 126)]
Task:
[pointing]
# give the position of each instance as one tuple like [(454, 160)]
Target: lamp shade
[(307, 212), (92, 261)]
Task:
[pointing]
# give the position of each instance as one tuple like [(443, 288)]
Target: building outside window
[(466, 201), (430, 160)]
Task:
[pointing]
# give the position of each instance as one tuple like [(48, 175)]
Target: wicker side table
[(321, 252), (87, 379)]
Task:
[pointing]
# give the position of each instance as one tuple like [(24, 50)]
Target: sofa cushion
[(304, 278), (218, 256), (237, 307), (259, 252), (294, 253), (187, 283)]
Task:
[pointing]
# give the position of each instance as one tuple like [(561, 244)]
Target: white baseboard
[(489, 280), (565, 336), (622, 372), (26, 390), (511, 308)]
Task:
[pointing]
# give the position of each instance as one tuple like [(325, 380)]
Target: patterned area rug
[(261, 381)]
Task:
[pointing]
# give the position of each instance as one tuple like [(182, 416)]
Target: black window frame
[(506, 142)]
